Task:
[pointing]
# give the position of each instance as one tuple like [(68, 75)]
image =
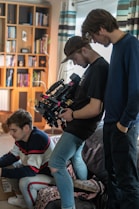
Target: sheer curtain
[(67, 27), (128, 16)]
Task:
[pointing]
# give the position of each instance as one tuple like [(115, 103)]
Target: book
[(45, 20), (30, 17), (10, 46), (22, 79), (36, 77), (13, 46), (44, 43), (9, 77), (11, 32), (1, 60), (5, 99), (40, 19), (37, 45), (10, 60), (37, 17)]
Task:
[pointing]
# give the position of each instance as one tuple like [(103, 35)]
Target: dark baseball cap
[(72, 45)]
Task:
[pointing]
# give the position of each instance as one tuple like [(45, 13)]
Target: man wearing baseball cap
[(73, 45), (83, 115)]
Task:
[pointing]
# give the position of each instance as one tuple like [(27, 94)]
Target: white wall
[(56, 5)]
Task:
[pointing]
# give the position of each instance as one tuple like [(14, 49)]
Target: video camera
[(56, 98)]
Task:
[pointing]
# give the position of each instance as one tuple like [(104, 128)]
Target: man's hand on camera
[(67, 114)]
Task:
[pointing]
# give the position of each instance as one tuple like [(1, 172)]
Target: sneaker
[(17, 202)]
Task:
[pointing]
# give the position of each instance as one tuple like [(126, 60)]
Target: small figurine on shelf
[(21, 63), (42, 61)]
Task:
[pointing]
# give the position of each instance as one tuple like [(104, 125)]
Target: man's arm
[(8, 159), (131, 64), (92, 109), (17, 173)]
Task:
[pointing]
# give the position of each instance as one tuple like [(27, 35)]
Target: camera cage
[(56, 98)]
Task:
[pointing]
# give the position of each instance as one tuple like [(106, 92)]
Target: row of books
[(23, 79), (41, 45), (36, 78), (10, 46), (11, 32), (41, 19), (32, 61), (10, 60)]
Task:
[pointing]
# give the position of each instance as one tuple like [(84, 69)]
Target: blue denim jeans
[(121, 164), (68, 147)]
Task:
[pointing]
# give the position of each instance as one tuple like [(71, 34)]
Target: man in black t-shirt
[(82, 117)]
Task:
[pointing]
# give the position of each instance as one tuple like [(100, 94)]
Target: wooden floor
[(6, 143), (6, 205)]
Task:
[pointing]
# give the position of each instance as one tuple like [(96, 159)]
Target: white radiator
[(4, 99)]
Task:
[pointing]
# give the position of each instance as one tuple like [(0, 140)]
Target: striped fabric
[(128, 16), (67, 20), (67, 24)]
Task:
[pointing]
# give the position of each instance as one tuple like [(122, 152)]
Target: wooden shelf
[(24, 53)]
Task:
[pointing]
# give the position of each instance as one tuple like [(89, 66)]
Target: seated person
[(29, 186), (32, 147), (26, 165), (35, 188)]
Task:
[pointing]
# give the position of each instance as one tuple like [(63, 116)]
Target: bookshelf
[(24, 50)]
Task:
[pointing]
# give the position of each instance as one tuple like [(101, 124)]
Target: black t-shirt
[(92, 85)]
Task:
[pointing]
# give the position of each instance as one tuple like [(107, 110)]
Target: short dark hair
[(96, 19), (20, 118)]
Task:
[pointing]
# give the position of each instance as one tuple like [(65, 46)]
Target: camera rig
[(56, 98)]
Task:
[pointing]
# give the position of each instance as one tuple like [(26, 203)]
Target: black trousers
[(121, 164)]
